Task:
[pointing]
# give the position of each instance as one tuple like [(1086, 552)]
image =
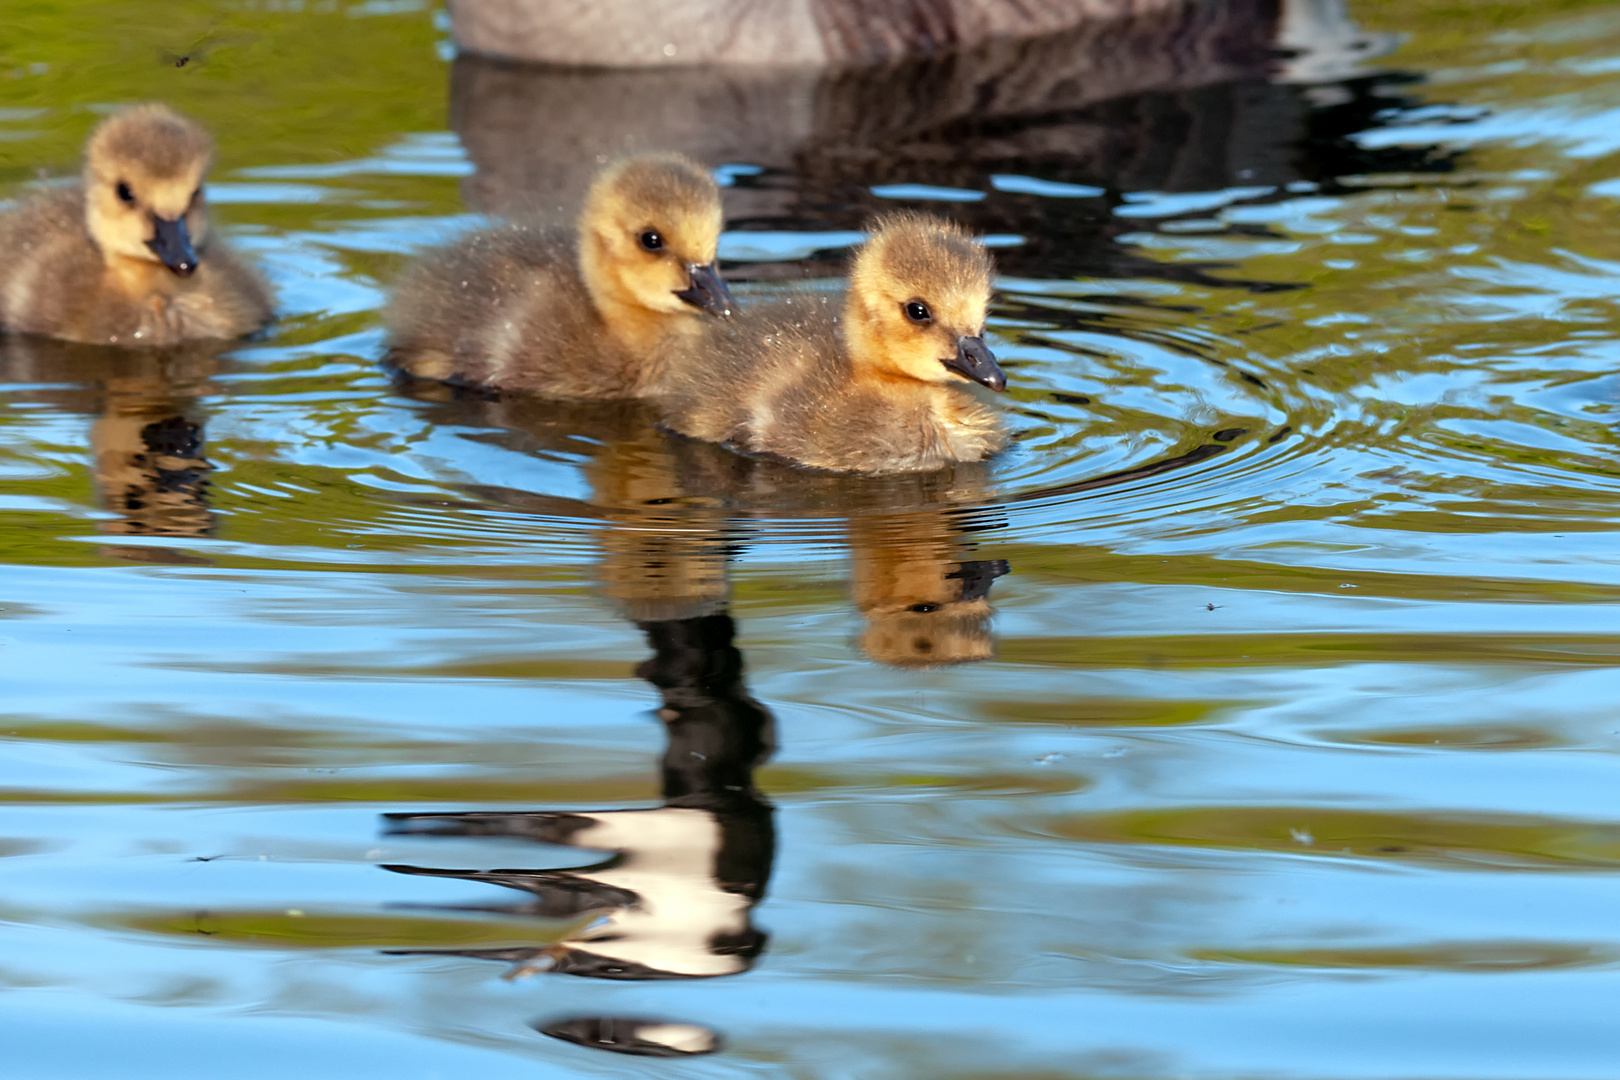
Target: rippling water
[(1251, 717)]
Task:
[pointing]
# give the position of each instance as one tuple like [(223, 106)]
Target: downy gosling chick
[(601, 315), (124, 257), (882, 388)]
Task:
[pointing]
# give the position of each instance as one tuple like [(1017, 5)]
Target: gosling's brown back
[(778, 381), (55, 281), (505, 309)]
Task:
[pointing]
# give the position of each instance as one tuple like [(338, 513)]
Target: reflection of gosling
[(922, 607), (151, 471), (124, 257), (518, 308), (880, 390)]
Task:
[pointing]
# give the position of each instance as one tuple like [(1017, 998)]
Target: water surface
[(1253, 716)]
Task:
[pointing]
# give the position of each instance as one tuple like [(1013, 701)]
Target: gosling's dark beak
[(171, 242), (975, 360), (708, 292)]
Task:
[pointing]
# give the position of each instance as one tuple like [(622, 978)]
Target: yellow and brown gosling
[(882, 387), (603, 314), (124, 257)]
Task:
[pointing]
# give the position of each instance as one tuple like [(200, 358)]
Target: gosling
[(882, 389), (600, 315), (124, 257)]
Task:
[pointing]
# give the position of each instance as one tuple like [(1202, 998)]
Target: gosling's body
[(782, 384), (85, 264), (506, 309), (600, 314), (849, 385)]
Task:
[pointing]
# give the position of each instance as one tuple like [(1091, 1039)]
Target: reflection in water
[(642, 1038), (146, 442), (923, 603), (1168, 108), (873, 118), (675, 899), (674, 512)]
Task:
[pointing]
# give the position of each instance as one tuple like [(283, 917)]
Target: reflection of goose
[(535, 130), (147, 439), (879, 388), (124, 257), (516, 307), (674, 901), (640, 1038), (150, 468)]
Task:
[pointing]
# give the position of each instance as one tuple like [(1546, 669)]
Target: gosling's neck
[(636, 327), (954, 424), (872, 363), (869, 360)]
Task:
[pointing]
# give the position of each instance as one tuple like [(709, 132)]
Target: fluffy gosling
[(124, 257), (882, 388), (600, 315)]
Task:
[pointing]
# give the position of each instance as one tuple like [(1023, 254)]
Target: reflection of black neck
[(714, 835), (718, 734)]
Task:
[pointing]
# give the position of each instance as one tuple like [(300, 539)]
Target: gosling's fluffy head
[(917, 298), (143, 175), (648, 234)]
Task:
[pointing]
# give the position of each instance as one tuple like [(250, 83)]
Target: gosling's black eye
[(923, 608), (651, 241), (917, 311), (124, 194)]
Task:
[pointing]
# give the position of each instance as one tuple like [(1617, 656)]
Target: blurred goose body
[(881, 385), (597, 315), (124, 256), (782, 32)]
